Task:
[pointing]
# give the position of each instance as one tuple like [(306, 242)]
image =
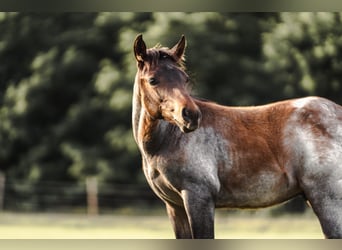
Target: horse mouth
[(187, 127), (188, 122), (188, 130)]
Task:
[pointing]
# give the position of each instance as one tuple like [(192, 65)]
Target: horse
[(198, 155)]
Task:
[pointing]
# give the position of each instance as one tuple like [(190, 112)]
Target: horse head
[(163, 84)]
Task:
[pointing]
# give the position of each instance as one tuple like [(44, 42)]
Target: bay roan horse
[(198, 155)]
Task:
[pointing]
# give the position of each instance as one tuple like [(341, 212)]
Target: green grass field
[(122, 226)]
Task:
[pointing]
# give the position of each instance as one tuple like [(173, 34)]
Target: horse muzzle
[(191, 120)]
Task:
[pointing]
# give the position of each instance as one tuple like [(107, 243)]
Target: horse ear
[(179, 49), (140, 49)]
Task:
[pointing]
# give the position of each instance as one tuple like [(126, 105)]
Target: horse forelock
[(154, 56)]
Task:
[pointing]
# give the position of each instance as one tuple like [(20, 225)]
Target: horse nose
[(186, 114), (190, 116)]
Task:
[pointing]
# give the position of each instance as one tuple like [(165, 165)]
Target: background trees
[(66, 81), (303, 54)]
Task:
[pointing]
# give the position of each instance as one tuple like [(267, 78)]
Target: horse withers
[(198, 155)]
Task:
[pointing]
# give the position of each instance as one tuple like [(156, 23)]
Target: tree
[(66, 84), (303, 53), (64, 99)]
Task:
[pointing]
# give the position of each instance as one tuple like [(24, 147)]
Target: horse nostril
[(189, 116), (186, 114)]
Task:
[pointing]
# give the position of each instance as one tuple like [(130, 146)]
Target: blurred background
[(66, 83)]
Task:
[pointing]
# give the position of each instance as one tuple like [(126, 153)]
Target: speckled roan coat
[(198, 155)]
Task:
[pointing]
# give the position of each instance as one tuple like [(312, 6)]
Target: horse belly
[(262, 190)]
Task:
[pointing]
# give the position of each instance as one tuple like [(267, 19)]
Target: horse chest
[(164, 183), (193, 164)]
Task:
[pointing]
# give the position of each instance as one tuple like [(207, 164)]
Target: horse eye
[(164, 56), (153, 81)]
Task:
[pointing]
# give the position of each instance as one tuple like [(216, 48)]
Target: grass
[(265, 227), (240, 225)]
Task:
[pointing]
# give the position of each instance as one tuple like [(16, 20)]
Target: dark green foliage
[(303, 54), (66, 80)]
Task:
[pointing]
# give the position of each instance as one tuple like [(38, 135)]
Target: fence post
[(2, 190), (92, 199)]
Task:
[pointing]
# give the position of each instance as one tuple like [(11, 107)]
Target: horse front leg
[(179, 221), (200, 209)]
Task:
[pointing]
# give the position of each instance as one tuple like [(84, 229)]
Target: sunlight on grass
[(228, 226)]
